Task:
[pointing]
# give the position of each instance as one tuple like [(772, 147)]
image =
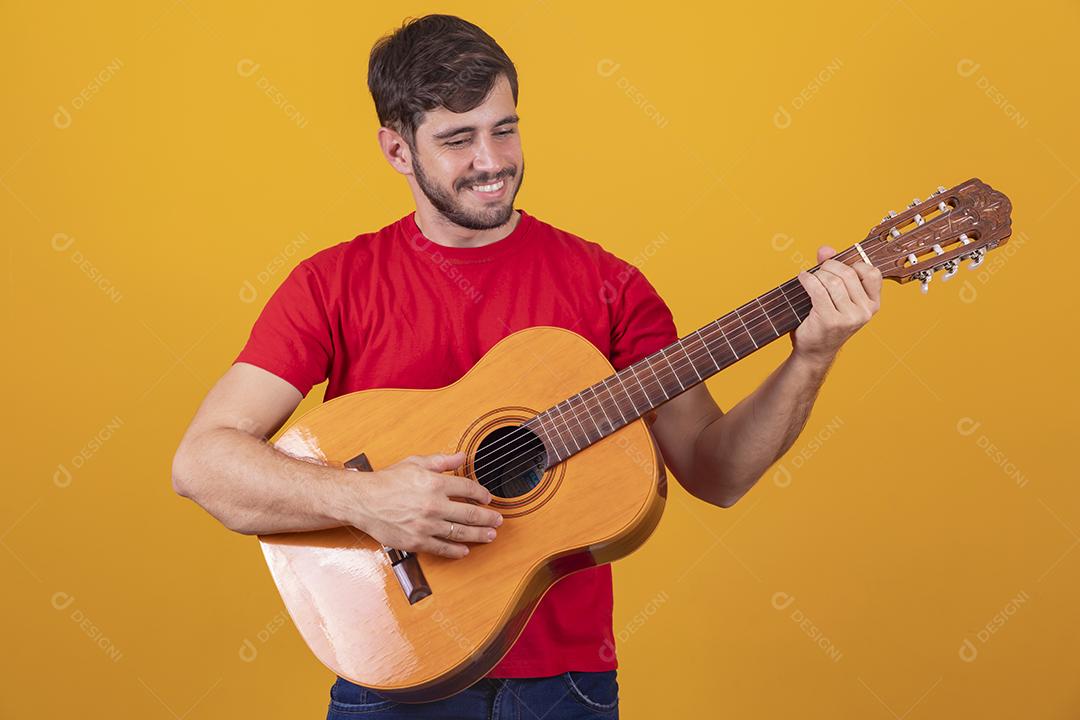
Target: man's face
[(470, 165)]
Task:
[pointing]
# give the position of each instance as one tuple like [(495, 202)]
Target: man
[(416, 304)]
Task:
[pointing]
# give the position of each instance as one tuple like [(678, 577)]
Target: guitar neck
[(602, 408)]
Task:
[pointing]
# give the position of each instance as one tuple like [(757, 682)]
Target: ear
[(396, 151)]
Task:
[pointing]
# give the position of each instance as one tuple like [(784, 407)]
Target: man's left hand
[(844, 299)]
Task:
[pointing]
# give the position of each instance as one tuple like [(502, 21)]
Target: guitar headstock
[(938, 233)]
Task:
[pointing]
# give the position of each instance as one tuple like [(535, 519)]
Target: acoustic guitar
[(567, 456)]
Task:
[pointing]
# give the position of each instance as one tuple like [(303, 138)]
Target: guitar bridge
[(406, 565)]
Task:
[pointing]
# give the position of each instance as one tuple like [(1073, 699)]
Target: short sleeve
[(291, 337), (642, 322)]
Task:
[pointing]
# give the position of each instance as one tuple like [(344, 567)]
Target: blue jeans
[(560, 697)]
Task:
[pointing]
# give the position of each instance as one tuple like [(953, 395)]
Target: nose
[(484, 160)]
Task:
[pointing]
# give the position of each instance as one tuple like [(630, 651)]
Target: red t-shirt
[(393, 309)]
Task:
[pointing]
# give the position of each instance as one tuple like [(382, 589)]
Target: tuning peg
[(943, 207), (978, 256), (892, 214), (964, 238), (914, 202), (924, 276), (940, 189), (950, 269), (938, 250)]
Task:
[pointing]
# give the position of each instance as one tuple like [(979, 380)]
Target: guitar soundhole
[(510, 461)]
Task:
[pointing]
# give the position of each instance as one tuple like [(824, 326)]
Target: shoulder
[(579, 248), (617, 276), (330, 261)]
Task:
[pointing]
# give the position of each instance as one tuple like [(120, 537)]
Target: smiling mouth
[(490, 191), (493, 187)]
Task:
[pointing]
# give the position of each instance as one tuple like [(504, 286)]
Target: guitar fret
[(691, 361), (724, 335), (656, 377), (702, 341), (570, 403), (634, 373), (558, 435), (567, 424), (767, 317), (600, 402), (739, 316), (627, 394), (616, 402), (784, 294), (797, 287), (589, 412), (677, 379)]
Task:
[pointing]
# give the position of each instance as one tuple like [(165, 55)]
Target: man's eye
[(457, 143), (505, 132)]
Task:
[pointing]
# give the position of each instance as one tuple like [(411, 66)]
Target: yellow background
[(933, 489)]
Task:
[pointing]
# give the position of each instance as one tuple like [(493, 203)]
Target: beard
[(451, 206)]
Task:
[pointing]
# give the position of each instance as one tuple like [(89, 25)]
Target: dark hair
[(430, 62)]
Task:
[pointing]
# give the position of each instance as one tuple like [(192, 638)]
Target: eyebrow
[(508, 120)]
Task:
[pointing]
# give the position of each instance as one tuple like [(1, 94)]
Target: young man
[(416, 304)]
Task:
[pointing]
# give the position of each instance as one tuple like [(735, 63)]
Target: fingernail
[(491, 534), (498, 521)]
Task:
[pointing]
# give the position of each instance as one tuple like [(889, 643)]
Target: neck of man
[(436, 228)]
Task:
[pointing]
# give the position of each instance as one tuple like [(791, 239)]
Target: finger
[(871, 280), (454, 551), (856, 293), (817, 292), (440, 462), (455, 486), (469, 514), (824, 253), (837, 290), (464, 533)]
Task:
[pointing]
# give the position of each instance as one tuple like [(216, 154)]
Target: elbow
[(181, 480), (186, 470), (722, 499), (717, 489), (727, 501), (186, 482), (185, 475), (185, 485)]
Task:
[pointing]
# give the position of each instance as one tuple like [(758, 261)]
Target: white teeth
[(488, 188)]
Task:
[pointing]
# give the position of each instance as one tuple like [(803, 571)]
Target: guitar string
[(755, 323), (483, 460), (633, 393), (590, 410)]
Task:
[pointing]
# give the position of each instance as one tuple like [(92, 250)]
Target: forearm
[(736, 449), (252, 488)]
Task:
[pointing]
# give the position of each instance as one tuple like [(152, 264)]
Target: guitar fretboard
[(602, 408)]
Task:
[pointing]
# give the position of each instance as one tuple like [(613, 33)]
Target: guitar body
[(598, 505)]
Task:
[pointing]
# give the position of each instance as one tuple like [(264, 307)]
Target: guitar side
[(599, 505)]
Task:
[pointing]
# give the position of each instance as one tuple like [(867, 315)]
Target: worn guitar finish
[(560, 441)]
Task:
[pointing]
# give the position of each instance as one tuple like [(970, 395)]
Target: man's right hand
[(408, 506)]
